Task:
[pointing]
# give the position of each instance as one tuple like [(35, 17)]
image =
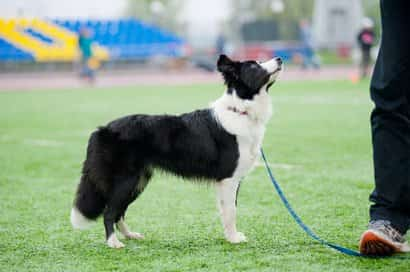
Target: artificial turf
[(318, 143)]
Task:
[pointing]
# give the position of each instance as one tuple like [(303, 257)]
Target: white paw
[(113, 242), (236, 238), (134, 235)]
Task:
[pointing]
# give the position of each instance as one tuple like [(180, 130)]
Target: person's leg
[(310, 58), (304, 61), (85, 70), (306, 58), (390, 122), (364, 65), (391, 152), (315, 59)]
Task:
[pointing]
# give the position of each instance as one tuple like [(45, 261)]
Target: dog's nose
[(279, 60)]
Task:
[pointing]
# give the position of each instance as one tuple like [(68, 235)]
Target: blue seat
[(127, 38), (9, 52)]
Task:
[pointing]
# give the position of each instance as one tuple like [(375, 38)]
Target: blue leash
[(305, 228)]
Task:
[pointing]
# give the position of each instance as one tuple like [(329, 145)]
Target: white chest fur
[(249, 128)]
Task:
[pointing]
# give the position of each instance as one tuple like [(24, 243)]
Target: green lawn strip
[(318, 143)]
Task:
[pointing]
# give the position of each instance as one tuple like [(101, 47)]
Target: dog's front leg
[(226, 198)]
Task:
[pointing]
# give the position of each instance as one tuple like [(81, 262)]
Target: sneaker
[(381, 239)]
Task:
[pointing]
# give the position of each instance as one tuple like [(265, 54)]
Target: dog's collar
[(237, 111)]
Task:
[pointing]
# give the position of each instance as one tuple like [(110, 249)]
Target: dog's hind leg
[(126, 191), (123, 228), (226, 198), (111, 215), (121, 225)]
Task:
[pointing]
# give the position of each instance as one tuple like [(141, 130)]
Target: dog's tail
[(90, 200), (88, 205)]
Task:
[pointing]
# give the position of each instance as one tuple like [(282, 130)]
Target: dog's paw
[(236, 238), (113, 242), (134, 235)]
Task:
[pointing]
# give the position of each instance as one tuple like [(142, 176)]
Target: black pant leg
[(390, 119)]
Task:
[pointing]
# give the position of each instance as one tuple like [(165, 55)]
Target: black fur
[(122, 155)]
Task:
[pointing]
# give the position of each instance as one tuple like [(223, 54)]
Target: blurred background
[(94, 40)]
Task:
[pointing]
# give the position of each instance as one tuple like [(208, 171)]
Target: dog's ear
[(225, 64)]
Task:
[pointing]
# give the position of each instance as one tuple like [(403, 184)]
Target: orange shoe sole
[(373, 244)]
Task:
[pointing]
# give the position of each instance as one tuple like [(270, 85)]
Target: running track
[(69, 80)]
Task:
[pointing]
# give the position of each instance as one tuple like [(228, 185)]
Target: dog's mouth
[(277, 70), (272, 77), (269, 85)]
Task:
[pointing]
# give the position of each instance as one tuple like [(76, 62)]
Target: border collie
[(218, 144)]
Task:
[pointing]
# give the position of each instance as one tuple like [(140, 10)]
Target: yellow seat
[(11, 23), (35, 22), (23, 22)]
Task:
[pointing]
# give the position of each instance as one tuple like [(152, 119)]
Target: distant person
[(85, 45), (220, 45), (366, 40), (390, 123), (309, 57)]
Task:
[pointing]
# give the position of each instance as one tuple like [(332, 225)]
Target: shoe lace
[(386, 228)]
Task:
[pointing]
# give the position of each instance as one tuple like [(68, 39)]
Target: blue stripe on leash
[(292, 212)]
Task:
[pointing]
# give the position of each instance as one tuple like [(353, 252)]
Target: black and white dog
[(219, 144)]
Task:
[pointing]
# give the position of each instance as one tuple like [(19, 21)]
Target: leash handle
[(305, 228)]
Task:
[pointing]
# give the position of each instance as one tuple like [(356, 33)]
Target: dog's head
[(249, 78)]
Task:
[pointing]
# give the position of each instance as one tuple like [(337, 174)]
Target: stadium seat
[(126, 38)]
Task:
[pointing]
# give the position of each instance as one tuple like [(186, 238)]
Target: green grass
[(320, 132), (332, 58)]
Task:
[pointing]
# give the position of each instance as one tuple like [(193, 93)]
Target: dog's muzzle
[(273, 66)]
